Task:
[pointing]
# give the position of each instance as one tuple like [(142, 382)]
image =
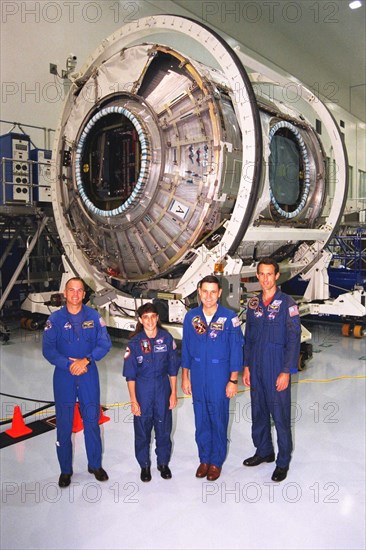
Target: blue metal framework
[(350, 250)]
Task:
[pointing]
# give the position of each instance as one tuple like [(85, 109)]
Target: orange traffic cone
[(102, 417), (77, 424), (18, 427)]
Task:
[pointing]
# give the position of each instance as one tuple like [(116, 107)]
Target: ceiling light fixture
[(355, 4)]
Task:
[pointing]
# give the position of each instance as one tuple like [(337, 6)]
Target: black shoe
[(279, 474), (100, 474), (256, 460), (64, 480), (145, 474), (165, 471)]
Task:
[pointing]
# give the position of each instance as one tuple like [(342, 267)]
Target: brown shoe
[(202, 470), (213, 472)]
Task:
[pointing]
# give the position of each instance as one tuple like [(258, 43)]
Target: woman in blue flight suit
[(151, 365), (74, 338)]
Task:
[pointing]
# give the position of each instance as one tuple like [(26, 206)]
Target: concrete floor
[(320, 505)]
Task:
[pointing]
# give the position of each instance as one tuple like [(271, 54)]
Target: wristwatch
[(89, 360), (233, 381)]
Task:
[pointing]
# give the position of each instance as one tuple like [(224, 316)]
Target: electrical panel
[(41, 170), (15, 174)]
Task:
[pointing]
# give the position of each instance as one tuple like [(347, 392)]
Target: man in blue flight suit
[(151, 364), (75, 337), (212, 351), (272, 336)]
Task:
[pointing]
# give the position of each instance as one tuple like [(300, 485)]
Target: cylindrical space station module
[(176, 153)]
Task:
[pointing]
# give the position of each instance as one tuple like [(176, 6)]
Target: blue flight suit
[(211, 353), (150, 362), (77, 336), (272, 336)]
